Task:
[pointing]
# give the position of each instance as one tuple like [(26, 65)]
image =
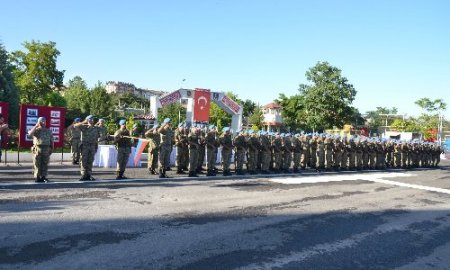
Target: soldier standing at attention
[(227, 146), (265, 152), (328, 144), (211, 145), (193, 141), (277, 152), (297, 151), (253, 147), (103, 132), (239, 144), (201, 148), (305, 154), (180, 140), (122, 141), (42, 149), (166, 134), (153, 147), (74, 134), (320, 164), (89, 140)]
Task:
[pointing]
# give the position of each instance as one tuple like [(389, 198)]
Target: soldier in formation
[(122, 140)]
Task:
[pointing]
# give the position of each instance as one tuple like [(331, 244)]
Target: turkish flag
[(202, 98)]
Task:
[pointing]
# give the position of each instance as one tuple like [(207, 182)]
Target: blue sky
[(393, 52)]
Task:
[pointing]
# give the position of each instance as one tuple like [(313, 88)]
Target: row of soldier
[(259, 151)]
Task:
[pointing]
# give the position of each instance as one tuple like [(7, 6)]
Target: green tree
[(378, 117), (256, 119), (35, 71), (77, 97), (431, 106), (293, 111), (172, 111), (328, 98), (8, 89), (55, 99), (100, 102)]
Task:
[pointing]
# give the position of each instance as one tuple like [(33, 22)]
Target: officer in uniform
[(153, 148), (328, 145), (337, 153), (122, 141), (166, 134), (180, 141), (193, 141), (320, 165), (74, 135), (305, 157), (227, 146), (297, 151), (253, 148), (239, 154), (89, 140), (103, 132), (42, 149), (211, 145), (265, 152)]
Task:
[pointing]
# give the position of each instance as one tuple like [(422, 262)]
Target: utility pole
[(387, 116)]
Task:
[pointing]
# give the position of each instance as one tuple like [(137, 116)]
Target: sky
[(393, 52)]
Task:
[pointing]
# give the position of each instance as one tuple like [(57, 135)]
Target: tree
[(431, 106), (248, 107), (8, 90), (327, 100), (324, 103), (256, 119), (377, 118), (35, 72), (100, 102), (172, 111), (77, 97)]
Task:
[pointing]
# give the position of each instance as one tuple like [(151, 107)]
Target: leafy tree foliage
[(100, 102), (256, 119), (322, 104), (8, 89), (172, 111), (431, 106), (377, 117), (35, 72)]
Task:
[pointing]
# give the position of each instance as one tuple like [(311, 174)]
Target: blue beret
[(90, 117), (250, 131), (41, 119), (155, 125), (225, 129), (211, 126), (101, 120), (77, 119), (122, 122), (166, 120)]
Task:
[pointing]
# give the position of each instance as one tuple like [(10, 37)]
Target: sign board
[(55, 116)]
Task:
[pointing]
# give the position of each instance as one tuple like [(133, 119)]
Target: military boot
[(192, 174), (118, 176), (210, 173), (162, 173)]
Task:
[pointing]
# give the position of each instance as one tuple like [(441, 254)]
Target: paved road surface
[(371, 220)]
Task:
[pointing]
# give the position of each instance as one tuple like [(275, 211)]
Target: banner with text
[(170, 98), (231, 104), (55, 116), (202, 98), (4, 136)]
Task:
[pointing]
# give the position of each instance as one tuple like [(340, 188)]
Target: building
[(272, 116), (122, 88)]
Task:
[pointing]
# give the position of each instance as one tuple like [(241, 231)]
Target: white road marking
[(374, 177)]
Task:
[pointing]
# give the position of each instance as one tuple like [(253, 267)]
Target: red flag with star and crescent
[(202, 98)]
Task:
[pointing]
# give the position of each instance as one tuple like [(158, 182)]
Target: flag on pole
[(139, 149)]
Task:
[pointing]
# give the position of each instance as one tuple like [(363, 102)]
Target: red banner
[(202, 98), (55, 116), (4, 110)]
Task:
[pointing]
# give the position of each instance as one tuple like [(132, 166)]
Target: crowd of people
[(252, 152)]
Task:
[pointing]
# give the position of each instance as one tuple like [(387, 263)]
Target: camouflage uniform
[(359, 155), (328, 144), (397, 155), (337, 154), (313, 152), (166, 135), (193, 140), (42, 149), (227, 146), (74, 134), (201, 151), (253, 149), (277, 151), (239, 144), (297, 151), (320, 150), (103, 135), (351, 154), (287, 153), (211, 145), (89, 139), (305, 157), (123, 146), (153, 149), (180, 143), (265, 153)]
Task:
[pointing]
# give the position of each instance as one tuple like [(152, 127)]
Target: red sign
[(55, 116), (202, 98), (231, 104), (170, 98), (4, 110)]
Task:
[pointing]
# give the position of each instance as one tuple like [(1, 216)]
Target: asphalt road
[(360, 220)]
